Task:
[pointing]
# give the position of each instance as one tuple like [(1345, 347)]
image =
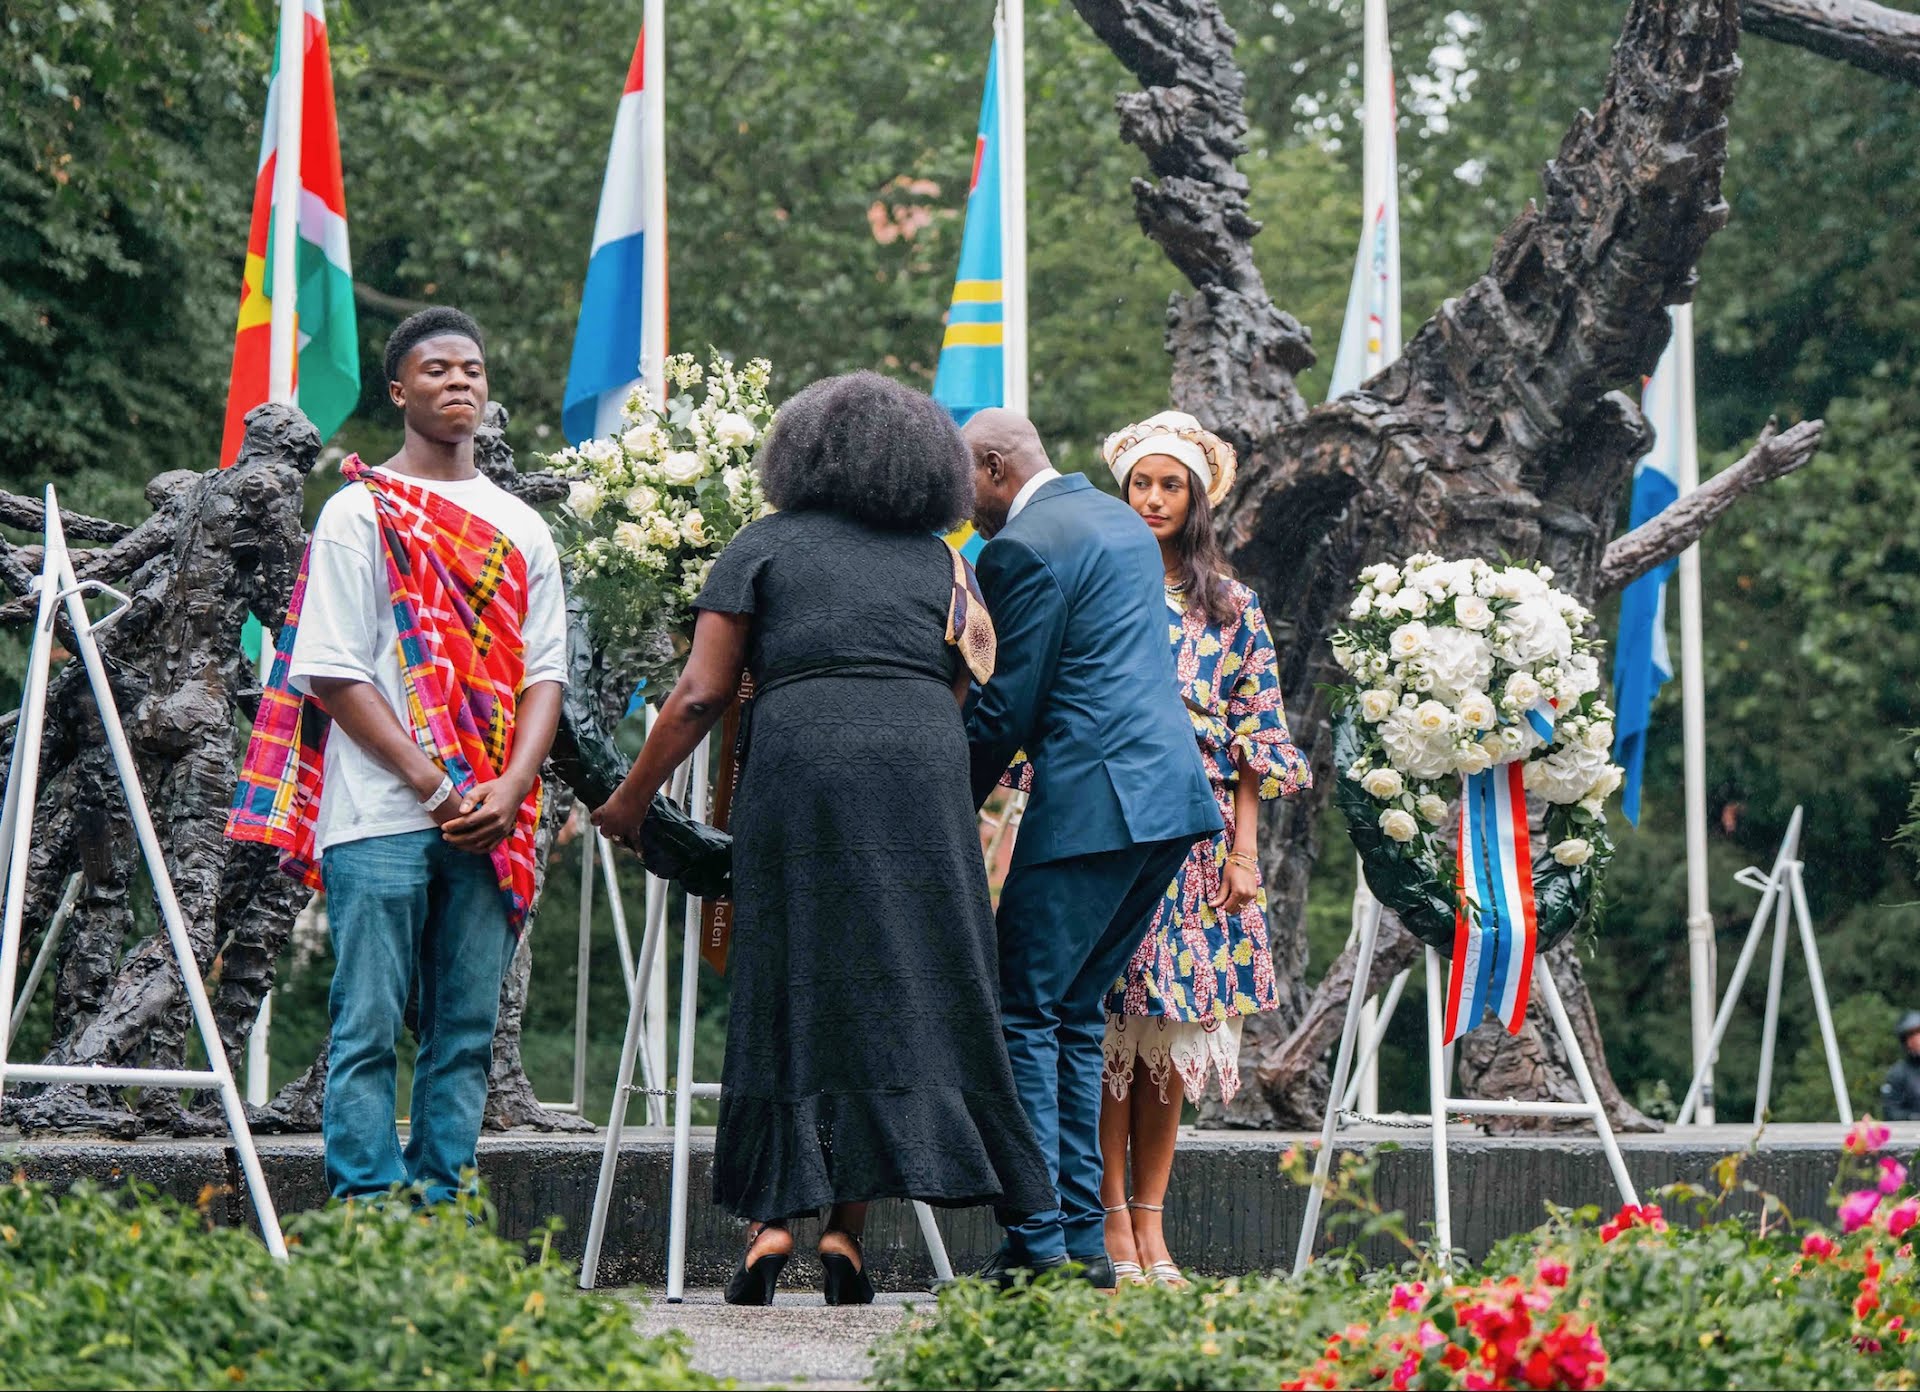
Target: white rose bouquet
[(1456, 667), (649, 508)]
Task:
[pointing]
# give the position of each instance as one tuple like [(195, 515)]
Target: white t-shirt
[(347, 630)]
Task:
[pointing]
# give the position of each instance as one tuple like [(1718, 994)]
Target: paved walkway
[(797, 1342)]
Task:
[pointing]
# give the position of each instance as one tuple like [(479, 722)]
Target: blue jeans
[(405, 910), (1067, 930)]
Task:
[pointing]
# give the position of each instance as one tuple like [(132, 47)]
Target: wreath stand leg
[(1441, 1107), (1781, 891)]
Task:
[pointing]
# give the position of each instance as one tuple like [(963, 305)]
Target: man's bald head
[(1006, 454)]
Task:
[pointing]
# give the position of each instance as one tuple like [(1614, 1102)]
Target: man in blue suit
[(1084, 684)]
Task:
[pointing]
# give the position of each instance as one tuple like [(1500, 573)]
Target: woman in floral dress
[(1206, 964)]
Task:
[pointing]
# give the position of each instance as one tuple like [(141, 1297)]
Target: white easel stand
[(1441, 1106), (57, 584), (1779, 890), (685, 1088)]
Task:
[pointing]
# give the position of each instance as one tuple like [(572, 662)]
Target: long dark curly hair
[(1202, 570), (869, 448)]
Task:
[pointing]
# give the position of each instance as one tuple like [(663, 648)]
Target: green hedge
[(121, 1288), (1628, 1302)]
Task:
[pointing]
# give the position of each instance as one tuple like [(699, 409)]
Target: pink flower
[(1866, 1137), (1408, 1296), (1818, 1246), (1553, 1273), (1857, 1209), (1429, 1335), (1893, 1174), (1902, 1216)]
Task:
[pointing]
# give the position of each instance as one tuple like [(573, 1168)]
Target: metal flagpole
[(283, 326), (653, 252), (1013, 202), (1693, 718)]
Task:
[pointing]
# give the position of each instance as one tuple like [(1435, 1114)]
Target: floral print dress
[(1200, 972)]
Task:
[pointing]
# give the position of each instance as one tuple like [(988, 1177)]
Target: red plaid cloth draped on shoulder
[(459, 592)]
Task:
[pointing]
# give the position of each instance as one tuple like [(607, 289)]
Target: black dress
[(864, 1053)]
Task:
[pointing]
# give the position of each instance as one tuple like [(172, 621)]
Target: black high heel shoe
[(753, 1283), (842, 1281)]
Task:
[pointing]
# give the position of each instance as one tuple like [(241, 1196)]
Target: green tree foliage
[(126, 166), (818, 153)]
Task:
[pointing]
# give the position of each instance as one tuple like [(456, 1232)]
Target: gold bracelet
[(1243, 860)]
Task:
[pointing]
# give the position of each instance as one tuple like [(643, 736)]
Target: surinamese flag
[(327, 367), (607, 343)]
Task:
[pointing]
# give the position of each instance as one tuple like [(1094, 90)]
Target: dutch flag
[(1641, 662), (606, 363)]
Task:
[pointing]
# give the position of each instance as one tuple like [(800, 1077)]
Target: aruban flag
[(607, 343), (327, 370), (972, 370), (1370, 335), (1641, 662)]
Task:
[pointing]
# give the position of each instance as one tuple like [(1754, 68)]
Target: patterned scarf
[(459, 592)]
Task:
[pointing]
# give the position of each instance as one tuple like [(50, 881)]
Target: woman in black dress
[(864, 1055)]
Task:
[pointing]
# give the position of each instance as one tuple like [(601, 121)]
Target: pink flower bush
[(1857, 1209), (1866, 1137), (1893, 1174)]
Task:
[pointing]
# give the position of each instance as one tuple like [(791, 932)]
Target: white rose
[(1600, 735), (1383, 783), (1458, 661), (1471, 611), (1494, 748), (1408, 640), (641, 500), (1432, 809), (733, 430), (694, 528), (683, 467), (1477, 712), (1416, 753), (1535, 633), (630, 536), (1575, 850), (1382, 576), (734, 479), (1398, 825), (1471, 758), (1412, 603), (1521, 693), (1595, 808), (1361, 607), (1606, 783), (1432, 718), (642, 439), (1376, 705), (1567, 775), (1344, 653), (583, 499), (1517, 582)]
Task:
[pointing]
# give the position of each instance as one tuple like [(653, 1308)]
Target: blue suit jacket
[(1084, 681)]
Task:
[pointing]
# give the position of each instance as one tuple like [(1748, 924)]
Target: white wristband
[(440, 795)]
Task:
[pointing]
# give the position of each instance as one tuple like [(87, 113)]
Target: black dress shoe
[(1097, 1272), (1004, 1269), (753, 1283)]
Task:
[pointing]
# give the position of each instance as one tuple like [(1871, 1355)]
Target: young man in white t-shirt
[(412, 862)]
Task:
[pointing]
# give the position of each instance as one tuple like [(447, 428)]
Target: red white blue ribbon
[(1495, 927)]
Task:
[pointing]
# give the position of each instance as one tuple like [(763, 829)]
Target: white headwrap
[(1179, 436)]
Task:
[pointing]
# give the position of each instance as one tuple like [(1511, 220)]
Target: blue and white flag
[(1370, 334), (1641, 662), (606, 363)]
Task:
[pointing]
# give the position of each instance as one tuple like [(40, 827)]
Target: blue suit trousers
[(1067, 929)]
